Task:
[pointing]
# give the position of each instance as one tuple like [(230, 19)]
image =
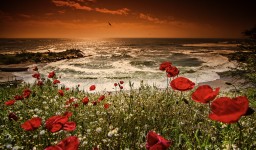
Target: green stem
[(167, 82), (240, 134)]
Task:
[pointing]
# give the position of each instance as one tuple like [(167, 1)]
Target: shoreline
[(8, 76), (226, 82)]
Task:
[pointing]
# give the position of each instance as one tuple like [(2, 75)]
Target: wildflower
[(32, 124), (56, 81), (26, 93), (204, 94), (121, 87), (10, 102), (16, 148), (51, 74), (35, 116), (18, 97), (164, 65), (71, 100), (172, 71), (182, 84), (9, 146), (110, 134), (36, 75), (58, 122), (61, 93), (40, 83), (106, 106), (70, 143), (92, 87), (156, 142), (121, 82), (113, 132), (115, 84), (66, 89), (75, 105), (227, 110), (88, 130), (85, 100), (12, 116), (102, 97), (99, 129), (42, 132)]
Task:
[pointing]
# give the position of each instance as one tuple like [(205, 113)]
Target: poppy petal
[(69, 126), (56, 127), (27, 126)]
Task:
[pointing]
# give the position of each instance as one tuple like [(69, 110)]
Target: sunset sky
[(128, 18)]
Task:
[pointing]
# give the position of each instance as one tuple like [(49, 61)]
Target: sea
[(132, 60)]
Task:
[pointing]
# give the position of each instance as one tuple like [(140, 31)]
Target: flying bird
[(109, 24)]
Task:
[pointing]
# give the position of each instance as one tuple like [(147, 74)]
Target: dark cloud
[(225, 18)]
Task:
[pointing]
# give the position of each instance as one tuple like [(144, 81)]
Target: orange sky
[(144, 18)]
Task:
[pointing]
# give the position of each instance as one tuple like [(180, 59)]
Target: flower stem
[(240, 134)]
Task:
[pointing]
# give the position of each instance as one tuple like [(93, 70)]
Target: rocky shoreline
[(26, 59), (45, 57)]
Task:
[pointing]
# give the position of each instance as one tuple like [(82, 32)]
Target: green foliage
[(125, 123), (246, 56)]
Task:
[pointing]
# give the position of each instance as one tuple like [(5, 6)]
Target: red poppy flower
[(164, 65), (36, 75), (40, 83), (71, 100), (70, 143), (204, 94), (10, 102), (75, 105), (182, 84), (56, 123), (12, 116), (66, 89), (156, 142), (85, 100), (172, 71), (61, 93), (56, 81), (92, 87), (106, 106), (115, 84), (227, 110), (121, 82), (121, 87), (26, 93), (18, 97), (32, 124), (51, 74), (102, 97)]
